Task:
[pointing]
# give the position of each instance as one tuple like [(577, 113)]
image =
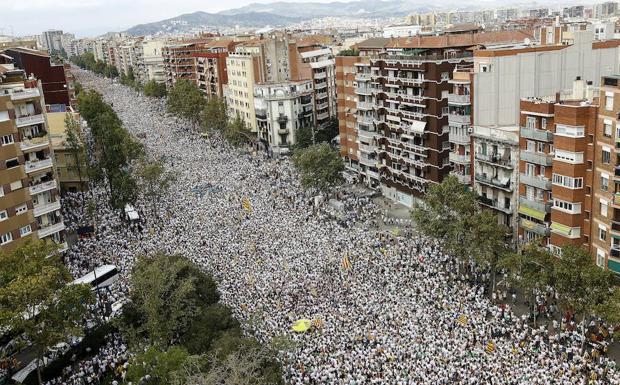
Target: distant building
[(52, 40), (68, 176)]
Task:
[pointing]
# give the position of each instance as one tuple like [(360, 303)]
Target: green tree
[(159, 365), (168, 292), (327, 133), (488, 241), (319, 166), (36, 300), (236, 132), (155, 89), (349, 52), (215, 114), (303, 138), (123, 188), (209, 325), (185, 100), (75, 145), (447, 214), (154, 182)]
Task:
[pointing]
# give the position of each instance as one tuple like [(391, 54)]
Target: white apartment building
[(323, 74), (281, 110), (496, 174), (151, 66)]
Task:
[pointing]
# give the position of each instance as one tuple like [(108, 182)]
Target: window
[(485, 68), (445, 76), (12, 163), (21, 209), (602, 233), (530, 169), (606, 155), (567, 181), (3, 215), (604, 182), (7, 139), (600, 257), (603, 206), (4, 116), (607, 128), (531, 145), (543, 123), (6, 238), (609, 101), (25, 231), (569, 207), (530, 122), (540, 147), (569, 156), (571, 131)]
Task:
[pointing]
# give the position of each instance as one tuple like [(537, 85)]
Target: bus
[(101, 277)]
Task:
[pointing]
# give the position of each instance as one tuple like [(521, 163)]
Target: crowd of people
[(388, 308)]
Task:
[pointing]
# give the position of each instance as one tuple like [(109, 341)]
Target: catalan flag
[(490, 347), (462, 320), (345, 264), (245, 202)]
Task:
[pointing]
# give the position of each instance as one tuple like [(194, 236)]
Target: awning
[(560, 228), (613, 265), (615, 236), (417, 126), (530, 212)]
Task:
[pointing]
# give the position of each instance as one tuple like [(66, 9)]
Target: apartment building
[(282, 109), (211, 70), (459, 123), (52, 76), (29, 195), (67, 174), (403, 112), (129, 55), (346, 73), (317, 63), (152, 64), (180, 60), (495, 169), (605, 226)]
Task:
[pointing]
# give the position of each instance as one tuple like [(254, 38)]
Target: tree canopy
[(186, 100), (215, 114), (319, 166)]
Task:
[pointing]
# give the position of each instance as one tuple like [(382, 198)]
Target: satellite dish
[(527, 41)]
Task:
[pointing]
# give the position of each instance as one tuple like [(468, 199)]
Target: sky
[(95, 17)]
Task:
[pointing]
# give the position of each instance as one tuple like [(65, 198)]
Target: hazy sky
[(93, 17)]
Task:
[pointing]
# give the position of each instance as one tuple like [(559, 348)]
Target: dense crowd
[(398, 312)]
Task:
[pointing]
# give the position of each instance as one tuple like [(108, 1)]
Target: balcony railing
[(495, 159), (372, 174), (42, 209), (29, 120), (465, 179), (458, 158), (459, 119), (51, 229), (541, 183), (38, 165), (41, 187), (495, 204), (532, 133), (458, 99), (363, 90), (360, 106), (366, 148), (34, 143), (493, 182), (536, 158), (26, 93), (459, 139), (535, 204), (322, 116), (537, 228), (362, 77)]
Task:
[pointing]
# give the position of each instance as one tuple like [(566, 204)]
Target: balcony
[(458, 158), (495, 159), (534, 227), (458, 99), (320, 75), (360, 106), (459, 139), (363, 90), (50, 229), (464, 179), (536, 158), (26, 93), (536, 181), (33, 166), (373, 174), (320, 86), (459, 119), (366, 148), (362, 77), (42, 209), (494, 204), (322, 116), (535, 204), (532, 133), (29, 120), (34, 144), (494, 182), (41, 187), (365, 119)]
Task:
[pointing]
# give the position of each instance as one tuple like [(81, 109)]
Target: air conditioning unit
[(470, 130)]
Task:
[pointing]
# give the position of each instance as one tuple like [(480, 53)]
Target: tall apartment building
[(605, 10), (317, 63), (403, 114), (67, 174), (52, 40), (52, 76), (129, 55), (29, 197), (605, 226), (180, 61), (459, 122), (282, 109), (495, 169), (152, 64), (211, 70), (346, 73)]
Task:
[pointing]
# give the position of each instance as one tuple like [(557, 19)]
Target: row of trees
[(189, 336), (451, 212), (37, 306), (87, 61)]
